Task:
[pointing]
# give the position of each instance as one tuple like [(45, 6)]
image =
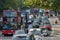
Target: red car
[(46, 30)]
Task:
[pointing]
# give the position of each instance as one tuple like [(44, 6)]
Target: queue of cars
[(40, 27), (43, 24)]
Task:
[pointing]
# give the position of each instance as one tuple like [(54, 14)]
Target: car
[(36, 32), (20, 35), (21, 31), (46, 27), (36, 23), (33, 26), (46, 23)]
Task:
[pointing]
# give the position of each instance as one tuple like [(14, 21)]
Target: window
[(10, 14)]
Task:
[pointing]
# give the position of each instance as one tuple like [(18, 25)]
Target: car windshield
[(37, 22), (38, 19), (20, 32), (44, 24), (45, 21), (9, 27), (36, 32)]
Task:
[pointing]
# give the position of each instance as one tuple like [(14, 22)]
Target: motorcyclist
[(32, 37)]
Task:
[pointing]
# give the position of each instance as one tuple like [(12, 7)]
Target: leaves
[(46, 4), (15, 4)]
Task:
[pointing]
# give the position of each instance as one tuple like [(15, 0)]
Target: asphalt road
[(53, 37), (43, 38), (5, 38)]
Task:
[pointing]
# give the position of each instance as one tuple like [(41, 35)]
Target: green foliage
[(15, 4), (7, 4), (11, 4), (45, 4), (32, 3)]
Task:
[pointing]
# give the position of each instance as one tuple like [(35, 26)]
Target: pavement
[(55, 27), (5, 38)]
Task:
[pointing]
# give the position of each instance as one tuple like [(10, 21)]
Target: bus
[(10, 19)]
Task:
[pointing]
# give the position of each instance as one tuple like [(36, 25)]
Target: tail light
[(47, 27)]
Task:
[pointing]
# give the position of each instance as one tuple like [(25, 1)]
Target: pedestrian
[(56, 22)]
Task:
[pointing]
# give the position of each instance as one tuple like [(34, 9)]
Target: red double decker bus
[(10, 19)]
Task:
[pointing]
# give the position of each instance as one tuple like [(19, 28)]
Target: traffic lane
[(49, 38), (5, 37), (41, 38)]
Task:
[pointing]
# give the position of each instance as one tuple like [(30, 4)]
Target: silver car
[(36, 33), (20, 35)]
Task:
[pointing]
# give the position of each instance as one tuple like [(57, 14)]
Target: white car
[(20, 35), (35, 32)]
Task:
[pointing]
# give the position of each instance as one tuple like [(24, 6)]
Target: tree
[(56, 4), (32, 3), (45, 4), (7, 4), (11, 4), (20, 4)]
